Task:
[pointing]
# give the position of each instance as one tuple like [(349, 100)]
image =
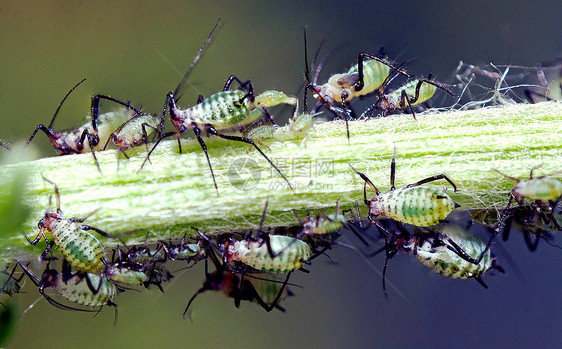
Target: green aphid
[(287, 254), (414, 204), (298, 127), (446, 259), (133, 132), (87, 289), (412, 93), (80, 248), (86, 138), (221, 112)]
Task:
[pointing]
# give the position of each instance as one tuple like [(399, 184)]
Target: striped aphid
[(87, 289), (96, 131), (225, 110), (80, 248), (367, 76), (414, 204), (410, 94), (546, 194), (449, 250)]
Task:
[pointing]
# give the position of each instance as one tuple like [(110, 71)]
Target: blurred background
[(138, 51)]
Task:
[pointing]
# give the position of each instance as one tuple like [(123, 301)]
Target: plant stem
[(175, 192)]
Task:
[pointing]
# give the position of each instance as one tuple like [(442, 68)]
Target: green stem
[(175, 192)]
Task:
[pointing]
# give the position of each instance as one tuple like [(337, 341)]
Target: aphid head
[(48, 220), (374, 206)]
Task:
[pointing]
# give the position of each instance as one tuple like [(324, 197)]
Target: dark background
[(46, 49)]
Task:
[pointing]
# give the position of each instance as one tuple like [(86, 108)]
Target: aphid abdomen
[(374, 74), (450, 264), (107, 123), (421, 206), (223, 110), (426, 91), (131, 134), (255, 254), (76, 290), (543, 189), (80, 249), (127, 276)]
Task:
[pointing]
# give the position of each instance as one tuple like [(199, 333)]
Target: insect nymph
[(369, 74), (80, 248), (85, 138), (225, 110), (414, 204)]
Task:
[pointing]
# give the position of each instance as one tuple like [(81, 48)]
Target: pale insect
[(95, 131), (449, 250), (224, 110), (368, 75), (414, 204), (412, 93), (79, 288), (544, 191), (298, 127), (80, 248)]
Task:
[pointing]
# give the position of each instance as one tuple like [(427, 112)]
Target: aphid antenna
[(178, 91), (60, 105), (367, 181), (57, 193)]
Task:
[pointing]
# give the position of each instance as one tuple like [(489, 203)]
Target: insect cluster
[(256, 266)]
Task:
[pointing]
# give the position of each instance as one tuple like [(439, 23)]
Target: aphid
[(322, 224), (78, 288), (412, 93), (369, 74), (95, 131), (281, 254), (413, 204), (532, 225), (158, 276), (80, 248), (297, 128), (143, 254), (549, 76), (222, 111), (446, 249), (236, 286), (182, 251), (133, 132), (543, 189)]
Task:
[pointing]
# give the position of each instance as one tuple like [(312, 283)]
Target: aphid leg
[(243, 85), (97, 230), (506, 176), (93, 140), (197, 132), (532, 169), (165, 135), (480, 281), (211, 130), (432, 179), (362, 56)]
